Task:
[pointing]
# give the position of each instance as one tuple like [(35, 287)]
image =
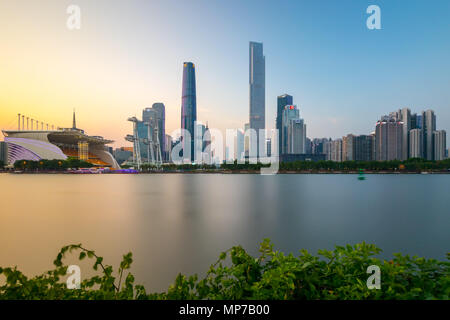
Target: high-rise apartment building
[(388, 139), (348, 148), (440, 144), (363, 148), (416, 143), (336, 150), (405, 117)]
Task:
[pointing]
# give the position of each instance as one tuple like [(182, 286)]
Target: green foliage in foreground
[(337, 274)]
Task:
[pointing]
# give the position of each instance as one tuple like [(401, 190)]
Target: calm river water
[(181, 222)]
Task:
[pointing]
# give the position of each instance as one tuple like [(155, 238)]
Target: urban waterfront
[(181, 222)]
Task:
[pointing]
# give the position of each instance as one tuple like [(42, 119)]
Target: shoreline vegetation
[(410, 166), (340, 274)]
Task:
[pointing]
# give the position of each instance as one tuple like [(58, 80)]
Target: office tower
[(296, 137), (123, 154), (168, 141), (388, 140), (161, 122), (148, 129), (257, 81), (318, 145), (282, 101), (188, 108), (4, 152), (428, 127), (363, 146), (440, 144), (348, 148), (240, 146), (416, 143), (405, 117), (289, 113), (246, 140), (309, 146), (208, 154)]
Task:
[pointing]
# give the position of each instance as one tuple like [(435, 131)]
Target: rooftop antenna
[(74, 125)]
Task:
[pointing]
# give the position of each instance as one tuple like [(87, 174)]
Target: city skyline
[(366, 77)]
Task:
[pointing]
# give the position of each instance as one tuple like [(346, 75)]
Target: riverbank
[(220, 171)]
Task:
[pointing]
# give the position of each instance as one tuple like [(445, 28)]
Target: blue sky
[(129, 54)]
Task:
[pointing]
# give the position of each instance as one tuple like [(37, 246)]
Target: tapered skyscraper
[(257, 81), (188, 107)]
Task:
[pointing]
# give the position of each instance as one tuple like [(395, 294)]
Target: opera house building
[(58, 145)]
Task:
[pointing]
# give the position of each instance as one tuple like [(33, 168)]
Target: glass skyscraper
[(188, 107), (282, 101), (257, 81), (161, 121)]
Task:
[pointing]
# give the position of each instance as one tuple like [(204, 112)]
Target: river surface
[(181, 222)]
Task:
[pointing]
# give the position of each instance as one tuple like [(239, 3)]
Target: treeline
[(340, 274), (410, 165), (51, 165)]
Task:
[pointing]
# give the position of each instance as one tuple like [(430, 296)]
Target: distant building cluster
[(398, 136)]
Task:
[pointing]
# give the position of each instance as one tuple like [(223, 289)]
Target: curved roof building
[(58, 145)]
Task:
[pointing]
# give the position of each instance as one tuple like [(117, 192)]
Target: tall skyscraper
[(282, 101), (428, 127), (188, 107), (257, 81), (416, 143), (440, 144)]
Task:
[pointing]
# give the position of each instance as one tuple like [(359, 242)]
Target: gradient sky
[(129, 54)]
